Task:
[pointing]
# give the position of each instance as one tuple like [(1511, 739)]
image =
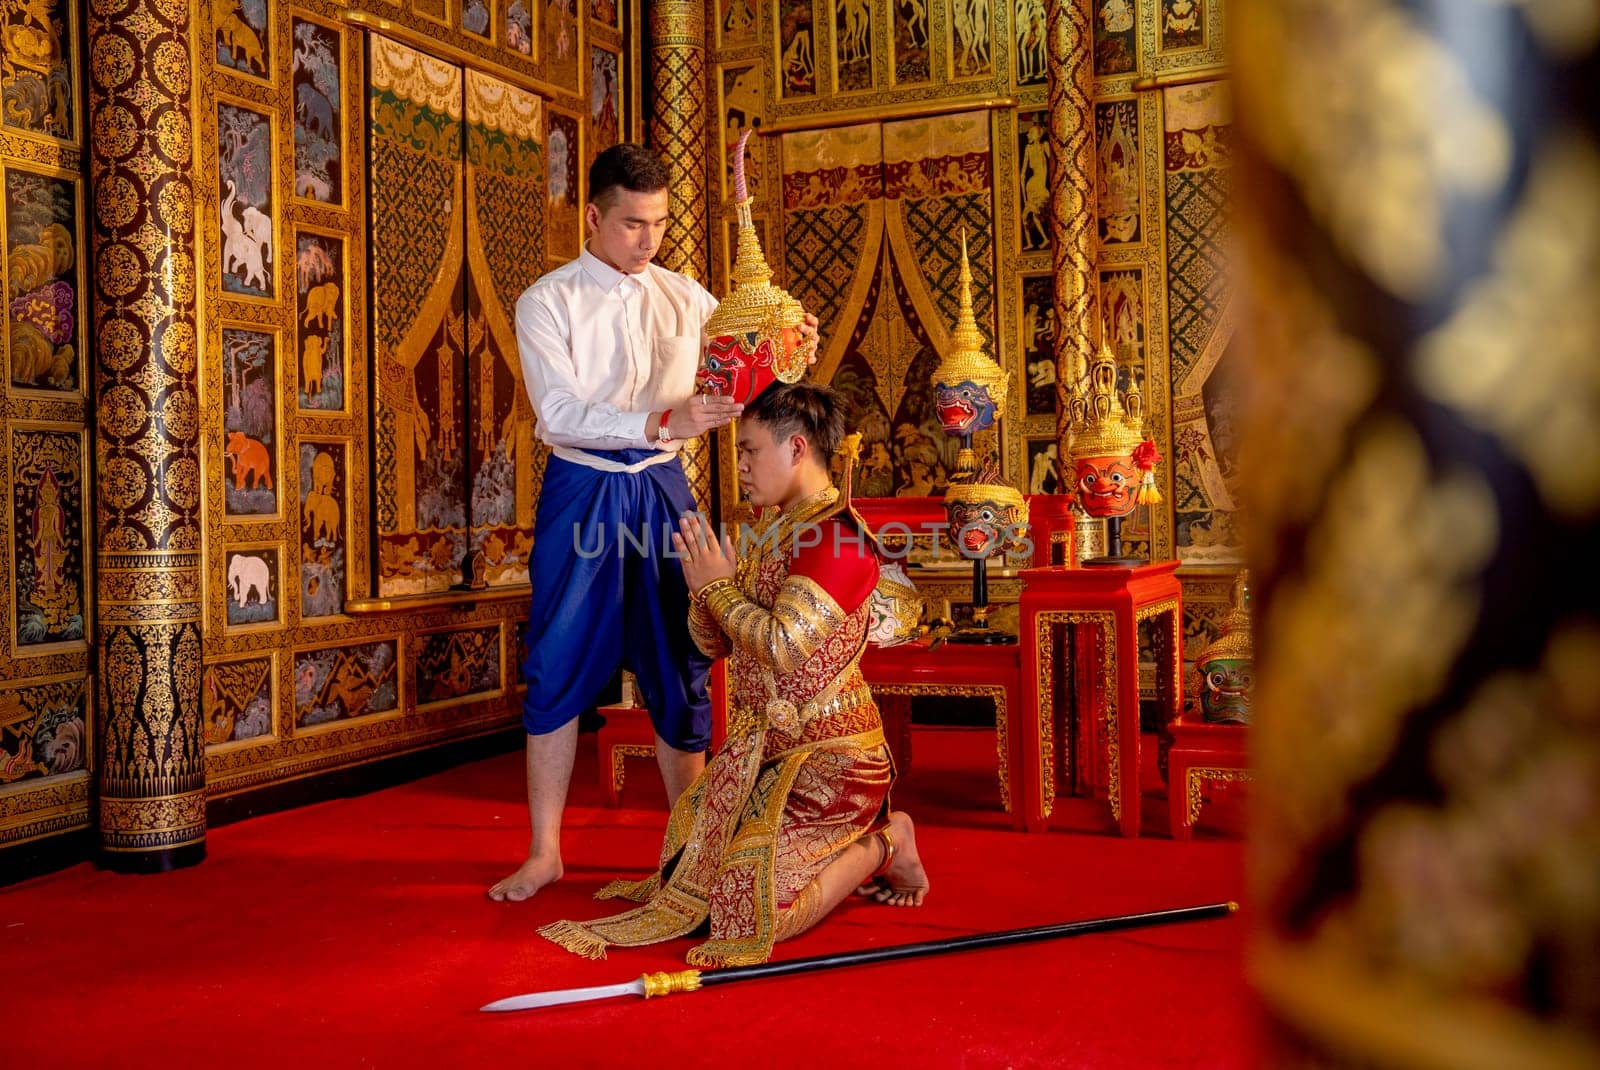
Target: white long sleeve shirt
[(601, 349)]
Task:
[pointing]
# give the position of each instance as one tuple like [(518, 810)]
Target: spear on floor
[(665, 984)]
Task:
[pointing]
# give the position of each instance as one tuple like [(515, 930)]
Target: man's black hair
[(816, 412), (625, 167)]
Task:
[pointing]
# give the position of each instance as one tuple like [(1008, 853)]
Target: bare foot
[(531, 876), (906, 882)]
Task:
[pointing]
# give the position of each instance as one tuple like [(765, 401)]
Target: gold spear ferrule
[(665, 984)]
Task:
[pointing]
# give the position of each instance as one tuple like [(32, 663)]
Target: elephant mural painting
[(322, 535), (252, 597), (319, 320), (244, 166)]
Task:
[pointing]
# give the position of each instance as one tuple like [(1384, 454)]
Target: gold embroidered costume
[(804, 771)]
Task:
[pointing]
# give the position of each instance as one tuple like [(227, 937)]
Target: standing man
[(609, 346)]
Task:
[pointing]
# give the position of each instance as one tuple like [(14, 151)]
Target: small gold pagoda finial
[(967, 339), (750, 264), (967, 360)]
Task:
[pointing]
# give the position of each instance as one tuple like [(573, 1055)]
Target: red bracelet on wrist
[(663, 436)]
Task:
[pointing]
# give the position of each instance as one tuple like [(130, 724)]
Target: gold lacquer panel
[(416, 168), (518, 28), (246, 166), (237, 700), (44, 729), (457, 467), (1033, 181), (563, 185), (322, 283), (736, 22), (561, 50), (1205, 405), (1119, 191), (853, 35), (44, 276), (971, 40), (1036, 346), (794, 33), (48, 546), (252, 444), (243, 37), (1042, 456), (324, 480), (739, 89), (874, 217), (911, 41), (344, 682), (505, 252), (37, 65), (606, 13), (605, 98), (1030, 55), (1116, 37), (254, 581), (449, 666), (317, 69), (478, 18)]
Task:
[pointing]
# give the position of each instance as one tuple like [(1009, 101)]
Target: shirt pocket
[(676, 359)]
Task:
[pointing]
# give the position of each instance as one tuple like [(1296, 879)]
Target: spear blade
[(560, 996)]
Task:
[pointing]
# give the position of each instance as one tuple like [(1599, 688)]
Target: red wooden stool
[(1199, 753), (896, 672), (628, 732), (1113, 601)]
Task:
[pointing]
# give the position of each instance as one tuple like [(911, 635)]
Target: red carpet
[(355, 933)]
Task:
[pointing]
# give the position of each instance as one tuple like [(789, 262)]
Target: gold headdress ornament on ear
[(850, 451), (755, 332)]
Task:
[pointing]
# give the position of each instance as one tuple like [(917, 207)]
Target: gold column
[(151, 766), (1421, 452), (678, 133), (1069, 33)]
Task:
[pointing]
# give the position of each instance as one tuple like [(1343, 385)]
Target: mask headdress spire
[(755, 332)]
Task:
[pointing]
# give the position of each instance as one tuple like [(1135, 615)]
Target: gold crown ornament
[(1113, 461), (1235, 641), (754, 334)]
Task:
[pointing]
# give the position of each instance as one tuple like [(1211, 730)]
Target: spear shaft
[(663, 984)]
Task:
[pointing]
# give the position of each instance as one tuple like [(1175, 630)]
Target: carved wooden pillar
[(1069, 33), (151, 769), (678, 134)]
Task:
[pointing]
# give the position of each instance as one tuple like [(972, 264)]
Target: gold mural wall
[(47, 586), (326, 634)]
